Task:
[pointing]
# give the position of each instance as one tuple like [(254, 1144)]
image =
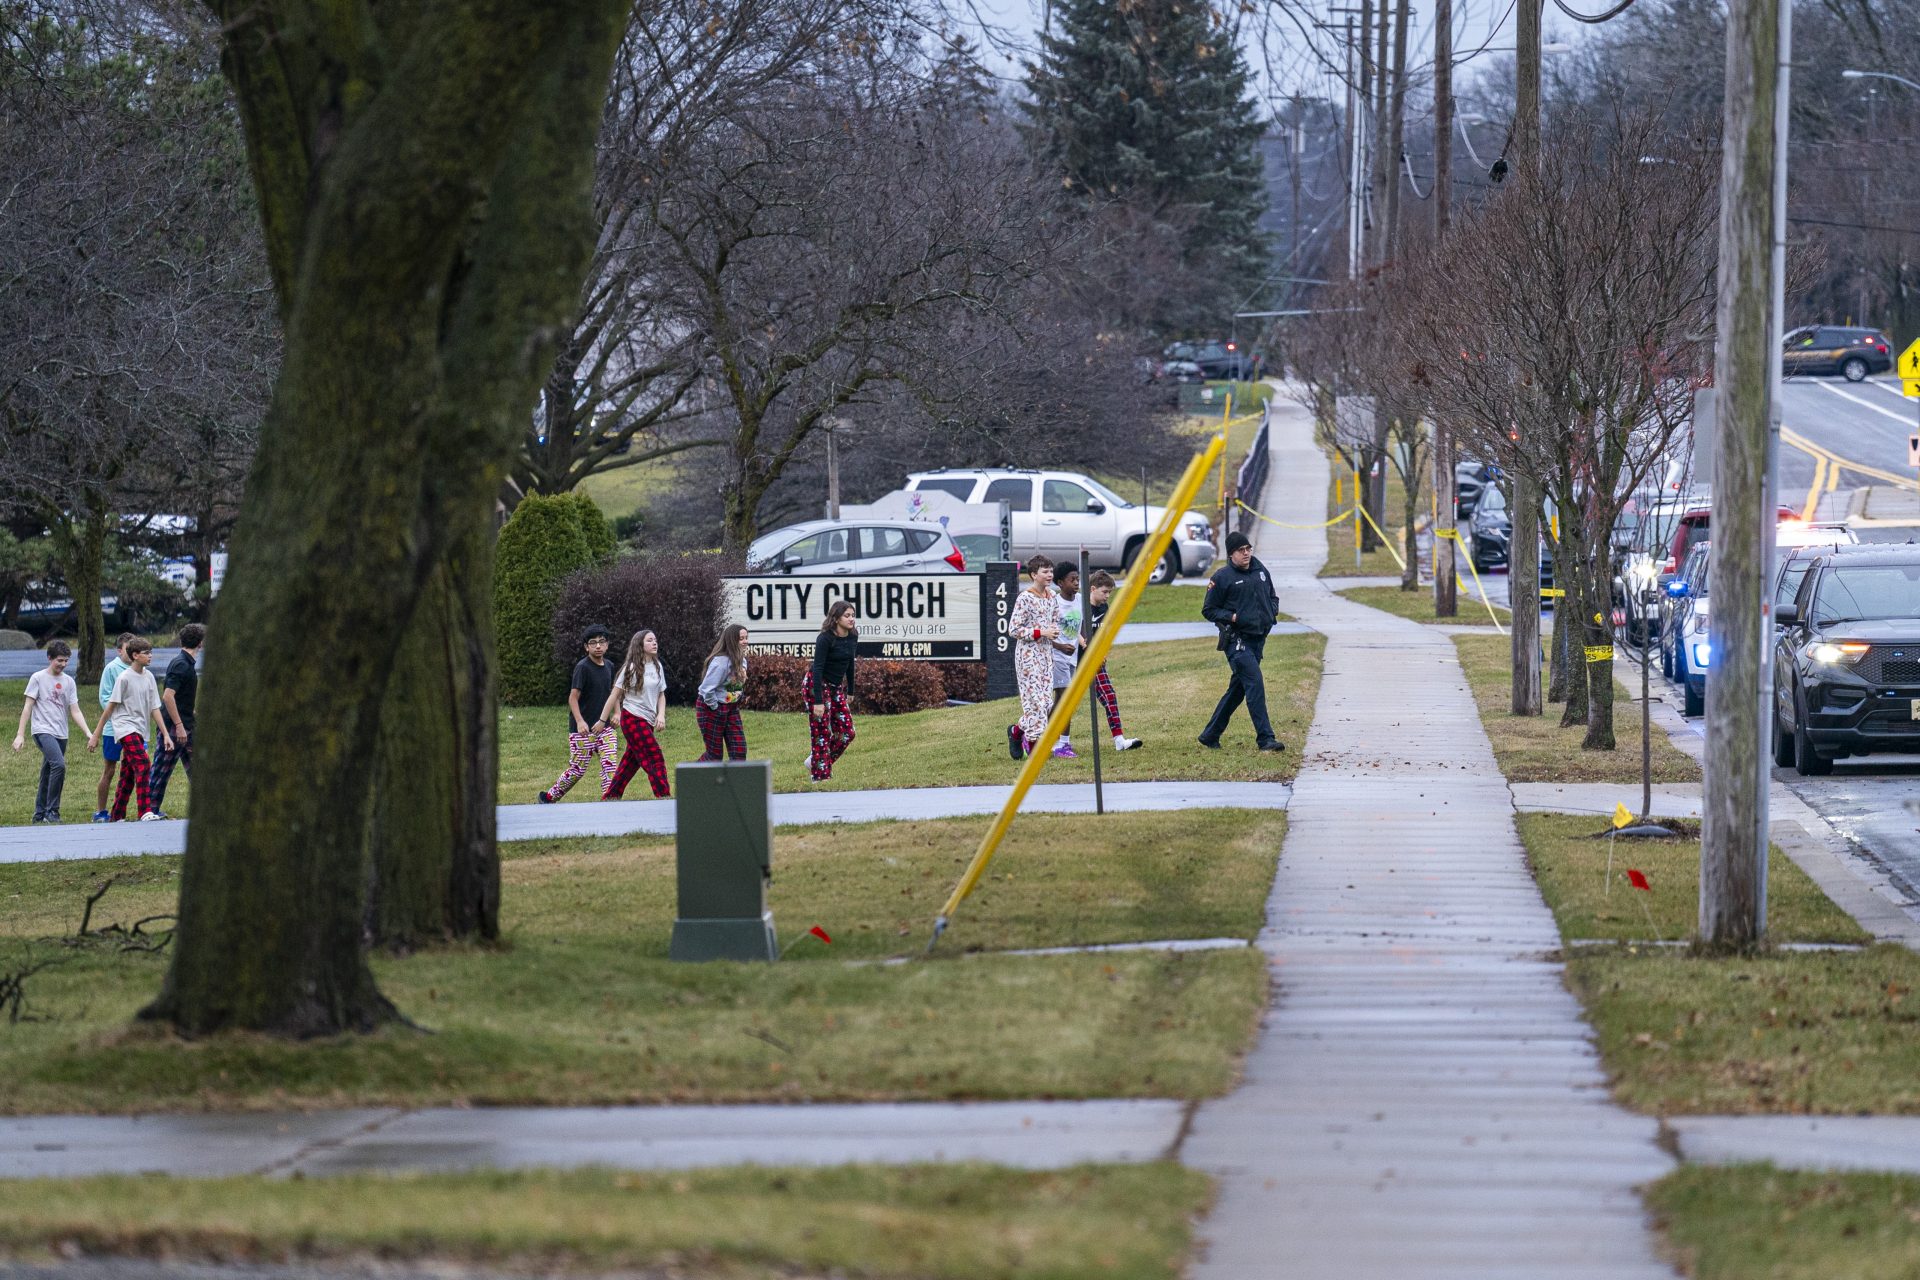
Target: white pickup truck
[(1055, 513)]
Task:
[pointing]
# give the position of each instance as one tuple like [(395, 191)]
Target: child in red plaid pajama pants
[(1099, 590), (640, 693), (133, 711), (827, 688), (716, 706)]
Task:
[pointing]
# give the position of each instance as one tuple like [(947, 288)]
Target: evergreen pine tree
[(1146, 101)]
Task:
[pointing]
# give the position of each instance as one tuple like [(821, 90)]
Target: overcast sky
[(1288, 64)]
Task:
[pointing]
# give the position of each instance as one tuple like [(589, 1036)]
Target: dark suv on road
[(1846, 659), (1831, 348)]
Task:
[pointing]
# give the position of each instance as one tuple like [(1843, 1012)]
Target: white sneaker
[(1123, 743), (808, 766), (151, 816)]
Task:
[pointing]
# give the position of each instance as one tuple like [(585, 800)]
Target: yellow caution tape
[(1552, 593), (1453, 536), (1281, 524), (1599, 653), (1385, 541)]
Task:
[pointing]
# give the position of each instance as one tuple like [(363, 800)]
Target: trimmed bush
[(540, 545), (675, 596), (601, 543), (964, 681), (880, 688)]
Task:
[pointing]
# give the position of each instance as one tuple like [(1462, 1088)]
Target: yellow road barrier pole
[(1117, 613)]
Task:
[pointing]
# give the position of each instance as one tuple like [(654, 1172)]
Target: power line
[(1856, 226), (1608, 16)]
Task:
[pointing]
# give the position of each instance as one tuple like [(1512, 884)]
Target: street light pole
[(1851, 74)]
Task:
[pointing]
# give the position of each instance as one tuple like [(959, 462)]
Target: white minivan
[(1055, 513)]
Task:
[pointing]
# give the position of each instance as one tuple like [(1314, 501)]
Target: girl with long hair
[(640, 693), (1034, 625), (717, 705), (828, 688)]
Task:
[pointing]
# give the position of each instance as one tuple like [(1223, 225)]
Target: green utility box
[(723, 818)]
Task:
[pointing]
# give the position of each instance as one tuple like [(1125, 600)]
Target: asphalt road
[(18, 664), (1865, 799), (1837, 436)]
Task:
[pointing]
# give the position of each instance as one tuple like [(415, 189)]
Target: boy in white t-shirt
[(52, 697), (133, 712)]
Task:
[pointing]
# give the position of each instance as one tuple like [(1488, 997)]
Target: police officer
[(1241, 602)]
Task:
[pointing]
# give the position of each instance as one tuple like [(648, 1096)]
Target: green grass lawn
[(1418, 605), (930, 1222), (1826, 1032), (1166, 692), (1571, 866), (1537, 749), (580, 1005), (1756, 1222)]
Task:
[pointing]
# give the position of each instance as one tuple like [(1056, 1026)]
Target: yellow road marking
[(1806, 446), (1820, 465)]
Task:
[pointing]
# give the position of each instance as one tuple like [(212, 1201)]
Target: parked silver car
[(856, 546)]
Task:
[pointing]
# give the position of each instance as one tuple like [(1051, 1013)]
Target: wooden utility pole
[(1445, 572), (1377, 181), (1523, 551), (1397, 130), (1733, 845)]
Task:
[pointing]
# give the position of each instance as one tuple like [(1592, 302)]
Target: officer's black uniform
[(1242, 603)]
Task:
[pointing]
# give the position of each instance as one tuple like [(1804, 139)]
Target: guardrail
[(1251, 479)]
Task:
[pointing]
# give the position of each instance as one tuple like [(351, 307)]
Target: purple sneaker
[(1065, 751)]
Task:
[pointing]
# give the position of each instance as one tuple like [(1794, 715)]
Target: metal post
[(1093, 700), (833, 476)]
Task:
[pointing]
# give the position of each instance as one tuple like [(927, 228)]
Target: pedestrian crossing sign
[(1909, 369)]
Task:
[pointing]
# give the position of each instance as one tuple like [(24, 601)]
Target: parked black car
[(1219, 361), (1846, 659), (1830, 348), (1490, 532)]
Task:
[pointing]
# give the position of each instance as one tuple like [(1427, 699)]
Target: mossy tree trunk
[(424, 175), (435, 866)]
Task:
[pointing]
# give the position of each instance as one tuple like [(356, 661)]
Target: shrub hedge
[(880, 688), (601, 542), (677, 597), (540, 544)]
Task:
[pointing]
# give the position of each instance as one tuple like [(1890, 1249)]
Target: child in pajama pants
[(640, 693), (717, 704), (1099, 590), (1034, 625), (592, 683)]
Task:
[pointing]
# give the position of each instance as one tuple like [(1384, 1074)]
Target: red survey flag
[(821, 934), (1638, 881)]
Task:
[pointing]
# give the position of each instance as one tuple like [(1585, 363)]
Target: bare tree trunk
[(1446, 571), (1732, 851), (80, 547), (1523, 588), (1571, 622), (1599, 671)]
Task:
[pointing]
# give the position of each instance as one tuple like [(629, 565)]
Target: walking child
[(592, 686), (827, 689), (1034, 625), (1066, 649), (1100, 586), (134, 712), (640, 694), (177, 696), (716, 707), (109, 748), (52, 698)]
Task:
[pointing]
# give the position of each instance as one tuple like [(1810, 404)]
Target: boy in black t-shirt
[(592, 685), (178, 692)]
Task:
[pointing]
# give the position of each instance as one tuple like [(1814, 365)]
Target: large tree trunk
[(80, 546), (428, 231), (435, 866)]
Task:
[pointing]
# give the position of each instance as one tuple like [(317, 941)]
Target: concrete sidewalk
[(1036, 1135), (1425, 1099), (645, 817)]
